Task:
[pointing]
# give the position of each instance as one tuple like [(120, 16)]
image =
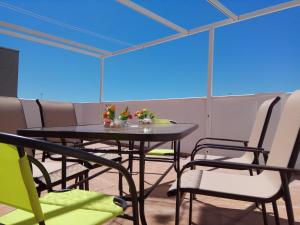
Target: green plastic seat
[(57, 215), (161, 151), (74, 207)]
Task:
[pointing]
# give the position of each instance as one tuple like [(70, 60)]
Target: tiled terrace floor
[(160, 209)]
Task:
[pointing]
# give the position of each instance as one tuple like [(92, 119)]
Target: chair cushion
[(242, 159), (70, 207), (83, 199), (54, 170), (58, 215), (244, 185), (160, 151)]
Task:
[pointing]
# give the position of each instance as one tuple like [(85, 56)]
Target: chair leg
[(44, 156), (130, 166), (191, 208), (276, 215), (250, 172), (178, 194), (264, 213), (287, 199), (86, 183), (120, 184), (289, 207), (81, 185)]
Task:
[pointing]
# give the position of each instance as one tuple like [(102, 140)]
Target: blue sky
[(259, 55)]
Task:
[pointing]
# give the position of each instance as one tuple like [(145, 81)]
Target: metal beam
[(152, 15), (101, 79), (247, 16), (218, 5), (52, 37), (47, 42), (210, 80), (268, 10)]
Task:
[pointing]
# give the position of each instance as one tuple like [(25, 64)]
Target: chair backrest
[(17, 187), (56, 114), (286, 143), (12, 116), (285, 146), (261, 122)]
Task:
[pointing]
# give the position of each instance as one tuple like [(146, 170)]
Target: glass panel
[(105, 24), (189, 14), (172, 70), (259, 55)]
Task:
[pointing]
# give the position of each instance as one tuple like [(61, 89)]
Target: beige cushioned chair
[(256, 138), (56, 114), (12, 118), (268, 186)]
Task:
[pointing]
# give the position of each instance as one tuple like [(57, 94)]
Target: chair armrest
[(43, 170), (230, 148), (221, 139), (233, 165)]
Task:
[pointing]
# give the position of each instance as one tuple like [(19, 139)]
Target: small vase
[(107, 123), (124, 123), (147, 120)]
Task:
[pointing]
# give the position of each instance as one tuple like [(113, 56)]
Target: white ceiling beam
[(247, 16), (145, 45), (152, 15), (268, 10), (52, 37), (47, 42), (218, 5)]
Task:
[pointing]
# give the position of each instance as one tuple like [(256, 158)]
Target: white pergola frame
[(47, 39)]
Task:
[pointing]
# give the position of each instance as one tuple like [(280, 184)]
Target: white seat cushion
[(259, 186), (242, 159), (54, 170)]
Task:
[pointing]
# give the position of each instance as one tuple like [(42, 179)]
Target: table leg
[(178, 158), (63, 167), (178, 194), (175, 155), (130, 165), (142, 188)]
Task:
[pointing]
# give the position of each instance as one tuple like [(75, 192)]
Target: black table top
[(153, 132)]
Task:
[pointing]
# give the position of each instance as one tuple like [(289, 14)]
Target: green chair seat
[(84, 200), (161, 151), (57, 215)]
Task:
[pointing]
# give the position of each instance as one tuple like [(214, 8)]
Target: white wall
[(192, 110), (232, 116), (88, 113)]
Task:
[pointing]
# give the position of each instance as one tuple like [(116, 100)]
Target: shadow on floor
[(205, 213)]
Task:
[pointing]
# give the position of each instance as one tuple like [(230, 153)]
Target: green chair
[(18, 190), (162, 151), (157, 154)]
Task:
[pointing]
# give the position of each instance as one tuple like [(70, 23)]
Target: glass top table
[(160, 133)]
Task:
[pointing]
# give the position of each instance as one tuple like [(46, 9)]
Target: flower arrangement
[(125, 115), (144, 113), (109, 114)]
